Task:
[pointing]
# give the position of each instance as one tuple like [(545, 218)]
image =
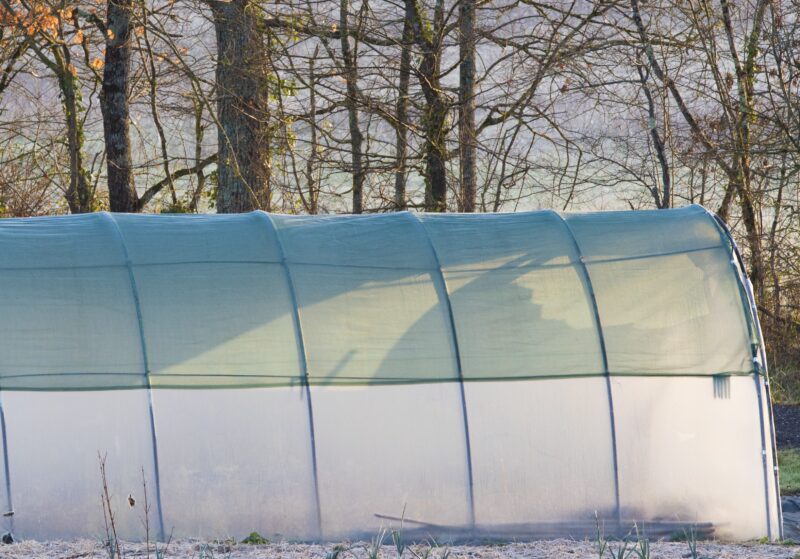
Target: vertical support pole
[(153, 436), (301, 348), (757, 381), (760, 363), (454, 336), (587, 283), (771, 421), (6, 467)]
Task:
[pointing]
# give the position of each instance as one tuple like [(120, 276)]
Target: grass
[(789, 462)]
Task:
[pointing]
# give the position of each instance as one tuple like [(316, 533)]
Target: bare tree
[(242, 78), (350, 61), (466, 107), (114, 105), (428, 35), (402, 124), (738, 111)]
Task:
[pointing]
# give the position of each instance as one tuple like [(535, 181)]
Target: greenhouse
[(321, 377)]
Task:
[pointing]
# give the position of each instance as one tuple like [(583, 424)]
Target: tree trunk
[(351, 102), (243, 118), (662, 201), (724, 211), (401, 128), (466, 107), (745, 77), (435, 150), (436, 106), (114, 106), (199, 132), (751, 225), (773, 243), (313, 190), (152, 79), (80, 195)]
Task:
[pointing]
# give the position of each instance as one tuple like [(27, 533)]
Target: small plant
[(399, 544), (397, 537), (642, 547), (691, 541), (161, 552), (255, 539), (422, 552), (600, 540), (145, 517), (622, 551), (111, 543), (446, 551), (374, 549), (205, 552), (337, 551)]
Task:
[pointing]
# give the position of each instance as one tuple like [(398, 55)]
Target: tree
[(114, 105), (242, 83), (349, 62), (45, 28), (738, 109), (401, 115), (428, 35), (466, 106)]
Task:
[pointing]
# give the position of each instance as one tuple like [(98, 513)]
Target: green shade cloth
[(105, 301)]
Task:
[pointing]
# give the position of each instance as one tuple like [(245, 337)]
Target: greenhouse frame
[(316, 378)]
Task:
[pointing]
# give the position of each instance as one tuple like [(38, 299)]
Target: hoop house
[(317, 378)]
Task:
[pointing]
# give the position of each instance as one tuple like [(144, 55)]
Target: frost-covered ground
[(555, 549)]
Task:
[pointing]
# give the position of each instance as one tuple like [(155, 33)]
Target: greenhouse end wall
[(321, 377)]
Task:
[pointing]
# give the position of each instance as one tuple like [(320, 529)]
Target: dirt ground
[(556, 549)]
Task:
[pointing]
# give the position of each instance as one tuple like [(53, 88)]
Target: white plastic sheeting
[(317, 378)]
